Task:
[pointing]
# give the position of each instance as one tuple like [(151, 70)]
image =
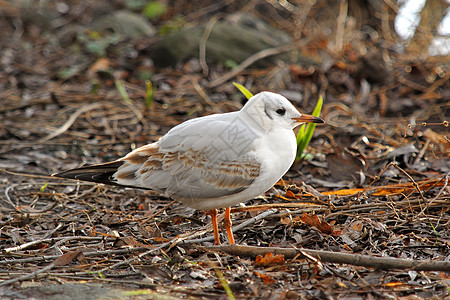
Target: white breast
[(276, 151), (277, 154)]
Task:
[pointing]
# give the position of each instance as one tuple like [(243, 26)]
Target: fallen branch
[(383, 263), (50, 240), (34, 259), (62, 260), (27, 276), (307, 206)]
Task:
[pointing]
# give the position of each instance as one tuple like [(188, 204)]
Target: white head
[(270, 110)]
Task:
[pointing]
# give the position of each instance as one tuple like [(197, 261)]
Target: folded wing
[(205, 158)]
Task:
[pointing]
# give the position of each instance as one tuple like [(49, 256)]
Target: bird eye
[(281, 111)]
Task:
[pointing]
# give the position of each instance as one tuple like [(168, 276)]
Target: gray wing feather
[(202, 158)]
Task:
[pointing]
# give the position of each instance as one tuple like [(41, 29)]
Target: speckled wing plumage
[(201, 158)]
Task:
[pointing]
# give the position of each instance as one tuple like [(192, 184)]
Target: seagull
[(214, 161)]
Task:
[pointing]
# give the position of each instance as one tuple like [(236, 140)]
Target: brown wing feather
[(173, 172), (182, 171)]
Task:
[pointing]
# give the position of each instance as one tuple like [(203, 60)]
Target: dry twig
[(384, 263), (70, 121)]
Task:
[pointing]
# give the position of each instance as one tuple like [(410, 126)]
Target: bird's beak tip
[(308, 119)]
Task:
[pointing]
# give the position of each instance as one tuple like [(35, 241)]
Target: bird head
[(270, 110)]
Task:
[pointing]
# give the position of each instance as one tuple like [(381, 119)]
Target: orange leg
[(213, 214), (227, 223)]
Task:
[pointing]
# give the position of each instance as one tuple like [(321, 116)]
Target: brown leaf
[(66, 258), (267, 279), (313, 220), (391, 189), (102, 64), (438, 139), (285, 220), (348, 248), (394, 284), (177, 220), (269, 259), (290, 194), (299, 71), (131, 241), (384, 102), (358, 226), (281, 197)]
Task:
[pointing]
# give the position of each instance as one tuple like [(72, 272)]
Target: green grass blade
[(306, 131), (43, 187), (149, 97), (243, 90), (318, 108), (301, 134), (121, 89), (224, 283)]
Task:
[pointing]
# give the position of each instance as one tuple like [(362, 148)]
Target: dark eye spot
[(281, 111)]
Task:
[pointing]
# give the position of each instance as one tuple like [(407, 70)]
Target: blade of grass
[(121, 89), (149, 97), (224, 283), (305, 132), (301, 134), (43, 187), (243, 90)]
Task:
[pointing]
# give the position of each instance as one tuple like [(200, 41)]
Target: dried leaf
[(285, 220), (282, 198), (313, 220), (102, 64), (131, 241), (290, 194), (438, 139), (358, 225), (66, 258), (269, 259), (391, 189), (394, 284), (267, 279)]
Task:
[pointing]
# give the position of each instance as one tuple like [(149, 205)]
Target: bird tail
[(101, 173)]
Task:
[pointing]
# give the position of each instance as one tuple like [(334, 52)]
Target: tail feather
[(101, 173)]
